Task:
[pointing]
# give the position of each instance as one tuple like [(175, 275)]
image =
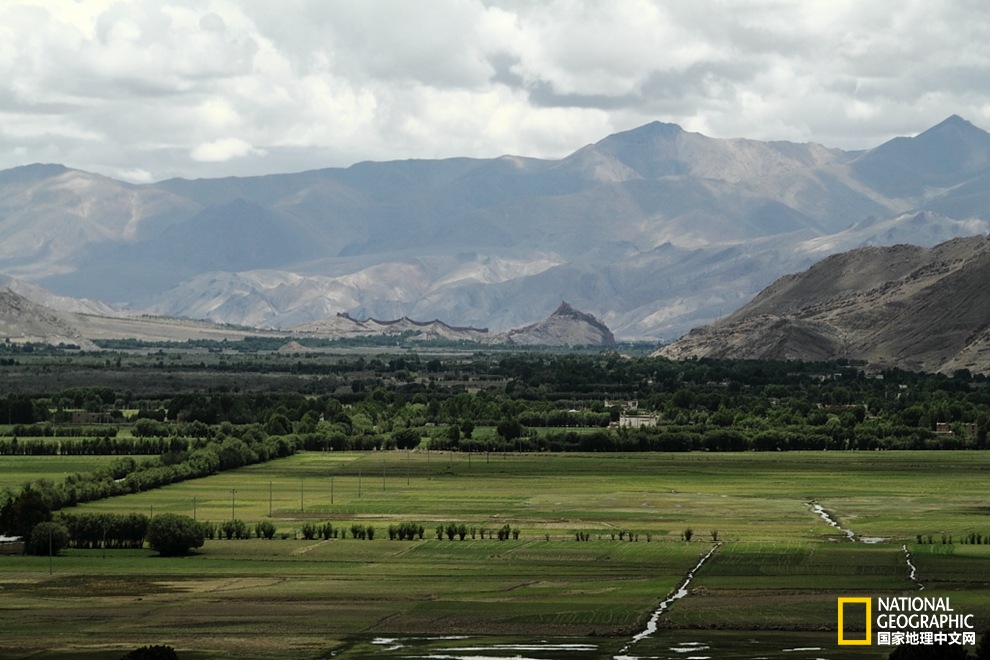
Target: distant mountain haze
[(653, 231)]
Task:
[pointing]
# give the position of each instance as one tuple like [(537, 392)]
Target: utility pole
[(194, 508), (331, 490), (302, 494), (269, 499), (232, 492)]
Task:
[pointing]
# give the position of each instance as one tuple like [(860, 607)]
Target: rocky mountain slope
[(904, 306), (21, 320), (24, 321), (655, 230), (565, 327)]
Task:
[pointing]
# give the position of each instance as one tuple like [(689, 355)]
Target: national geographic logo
[(859, 605), (903, 620)]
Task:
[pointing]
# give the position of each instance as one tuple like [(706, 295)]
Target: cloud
[(222, 150), (218, 87)]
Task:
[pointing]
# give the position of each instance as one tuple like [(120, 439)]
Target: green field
[(15, 471), (772, 583)]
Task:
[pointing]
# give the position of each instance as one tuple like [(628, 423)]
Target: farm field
[(769, 588), (18, 470)]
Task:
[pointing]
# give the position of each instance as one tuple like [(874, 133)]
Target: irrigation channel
[(682, 591), (820, 510), (680, 644), (851, 535), (471, 648), (914, 571)]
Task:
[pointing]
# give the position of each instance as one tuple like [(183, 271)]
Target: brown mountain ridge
[(900, 306)]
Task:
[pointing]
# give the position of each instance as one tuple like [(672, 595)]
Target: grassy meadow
[(773, 580)]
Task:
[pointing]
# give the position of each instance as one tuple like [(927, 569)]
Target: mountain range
[(24, 321), (900, 306), (654, 231)]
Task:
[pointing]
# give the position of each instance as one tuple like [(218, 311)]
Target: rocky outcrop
[(23, 321), (565, 327), (901, 306), (343, 326)]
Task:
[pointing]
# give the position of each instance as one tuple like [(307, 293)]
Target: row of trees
[(838, 400), (34, 502), (461, 531)]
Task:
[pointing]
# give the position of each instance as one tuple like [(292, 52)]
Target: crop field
[(768, 590), (17, 470)]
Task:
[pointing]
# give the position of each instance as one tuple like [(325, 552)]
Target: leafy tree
[(509, 429), (406, 438), (48, 537), (172, 534), (265, 530), (20, 514)]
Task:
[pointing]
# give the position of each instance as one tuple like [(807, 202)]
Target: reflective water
[(665, 645)]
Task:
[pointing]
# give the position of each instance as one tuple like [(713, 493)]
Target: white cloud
[(222, 150), (187, 87)]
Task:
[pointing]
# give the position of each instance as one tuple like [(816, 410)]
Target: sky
[(145, 90)]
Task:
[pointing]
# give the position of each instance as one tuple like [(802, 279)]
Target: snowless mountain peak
[(657, 228)]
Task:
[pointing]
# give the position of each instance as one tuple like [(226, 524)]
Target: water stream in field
[(914, 571), (682, 591), (820, 510)]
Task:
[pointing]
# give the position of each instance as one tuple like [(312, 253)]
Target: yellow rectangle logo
[(868, 602)]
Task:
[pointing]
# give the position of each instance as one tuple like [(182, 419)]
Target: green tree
[(48, 537), (20, 514), (509, 429), (172, 534), (406, 438)]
